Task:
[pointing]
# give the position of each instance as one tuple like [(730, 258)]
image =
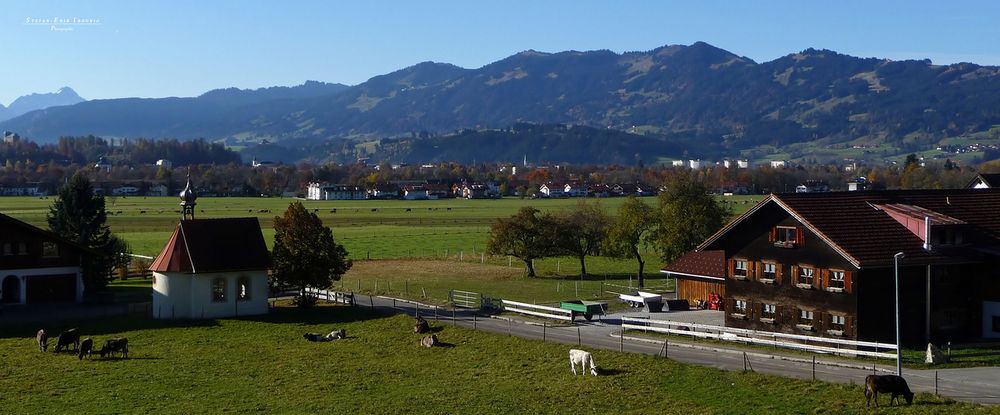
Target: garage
[(43, 289)]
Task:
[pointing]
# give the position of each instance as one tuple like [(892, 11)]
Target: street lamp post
[(899, 349)]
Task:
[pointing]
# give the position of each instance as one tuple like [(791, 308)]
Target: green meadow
[(263, 365), (370, 229)]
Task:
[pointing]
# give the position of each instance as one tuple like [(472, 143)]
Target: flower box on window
[(784, 244), (806, 327), (838, 333), (835, 289), (767, 280), (804, 286), (738, 316), (739, 277), (767, 320)]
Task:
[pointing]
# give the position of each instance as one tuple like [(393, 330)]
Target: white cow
[(584, 359)]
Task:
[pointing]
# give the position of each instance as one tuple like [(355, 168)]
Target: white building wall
[(25, 273), (180, 295)]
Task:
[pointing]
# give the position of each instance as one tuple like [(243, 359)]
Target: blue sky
[(184, 48)]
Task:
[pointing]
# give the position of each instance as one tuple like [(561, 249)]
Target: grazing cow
[(67, 338), (314, 337), (584, 359), (43, 340), (421, 326), (891, 384), (86, 347), (429, 341), (115, 345)]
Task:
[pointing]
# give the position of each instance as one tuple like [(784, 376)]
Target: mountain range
[(28, 103), (683, 95)]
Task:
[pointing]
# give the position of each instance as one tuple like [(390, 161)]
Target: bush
[(305, 301)]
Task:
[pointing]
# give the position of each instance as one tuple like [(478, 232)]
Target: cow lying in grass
[(115, 345), (333, 335), (66, 338), (584, 359), (86, 347), (891, 384), (430, 341), (421, 326), (43, 340)]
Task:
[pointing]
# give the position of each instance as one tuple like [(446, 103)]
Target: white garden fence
[(538, 310), (766, 338)]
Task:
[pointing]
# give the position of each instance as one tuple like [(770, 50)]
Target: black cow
[(115, 345), (891, 384), (66, 338), (421, 326), (86, 347)]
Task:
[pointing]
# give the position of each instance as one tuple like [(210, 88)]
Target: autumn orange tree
[(305, 253)]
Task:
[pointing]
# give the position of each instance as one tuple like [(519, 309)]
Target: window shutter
[(817, 279), (773, 235), (800, 236), (732, 267), (758, 270), (777, 273), (824, 278), (849, 281), (795, 274), (849, 326)]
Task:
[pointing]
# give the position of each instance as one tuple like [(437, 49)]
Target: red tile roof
[(214, 245), (700, 264), (867, 236)]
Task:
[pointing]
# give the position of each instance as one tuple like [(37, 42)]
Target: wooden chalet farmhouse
[(822, 264), (211, 268), (38, 266)]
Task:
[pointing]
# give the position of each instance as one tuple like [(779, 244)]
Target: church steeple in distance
[(188, 198)]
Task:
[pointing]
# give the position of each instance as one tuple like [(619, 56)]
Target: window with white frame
[(837, 279), (806, 275), (837, 322), (768, 311), (740, 307), (787, 234), (770, 271), (805, 317), (740, 267)]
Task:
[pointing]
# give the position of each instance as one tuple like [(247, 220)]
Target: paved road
[(978, 385)]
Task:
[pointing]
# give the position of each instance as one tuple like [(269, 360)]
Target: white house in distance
[(211, 268), (164, 163)]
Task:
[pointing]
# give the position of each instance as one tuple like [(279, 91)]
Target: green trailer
[(588, 309)]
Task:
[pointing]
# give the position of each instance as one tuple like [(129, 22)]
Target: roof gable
[(858, 226), (43, 233)]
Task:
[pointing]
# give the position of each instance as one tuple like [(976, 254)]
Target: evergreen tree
[(305, 253), (78, 215)]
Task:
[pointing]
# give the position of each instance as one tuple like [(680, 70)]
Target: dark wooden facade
[(949, 292), (37, 266)]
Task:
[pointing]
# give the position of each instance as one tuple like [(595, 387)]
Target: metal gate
[(465, 299)]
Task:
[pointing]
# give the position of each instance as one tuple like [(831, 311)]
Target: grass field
[(264, 366), (375, 229)]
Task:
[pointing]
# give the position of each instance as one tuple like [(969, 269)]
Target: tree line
[(685, 215)]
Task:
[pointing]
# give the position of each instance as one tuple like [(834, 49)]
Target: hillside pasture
[(263, 365)]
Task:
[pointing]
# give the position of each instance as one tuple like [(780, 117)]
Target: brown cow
[(86, 347), (891, 384)]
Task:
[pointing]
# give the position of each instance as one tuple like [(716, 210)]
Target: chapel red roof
[(214, 245)]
